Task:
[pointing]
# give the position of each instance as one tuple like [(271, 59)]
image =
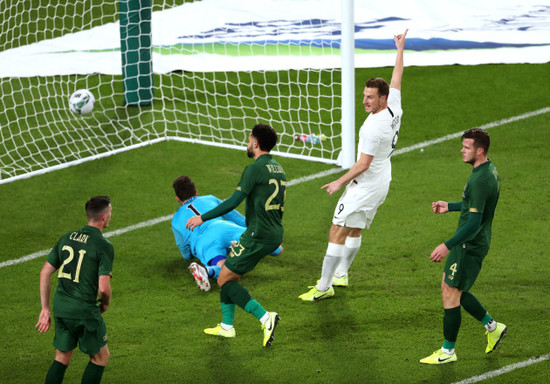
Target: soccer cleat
[(340, 281), (494, 338), (314, 294), (201, 276), (219, 331), (269, 328), (439, 357)]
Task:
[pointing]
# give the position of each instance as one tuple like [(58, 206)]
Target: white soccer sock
[(491, 326), (334, 254), (226, 327), (264, 318), (448, 351), (352, 247)]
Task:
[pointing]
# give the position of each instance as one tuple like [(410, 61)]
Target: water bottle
[(313, 138)]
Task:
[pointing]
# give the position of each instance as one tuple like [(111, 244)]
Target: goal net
[(219, 68)]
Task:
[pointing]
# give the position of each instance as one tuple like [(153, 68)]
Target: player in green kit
[(263, 184), (468, 247), (84, 259)]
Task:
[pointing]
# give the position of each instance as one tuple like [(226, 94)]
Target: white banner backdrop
[(441, 32)]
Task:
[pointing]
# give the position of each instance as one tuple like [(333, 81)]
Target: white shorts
[(357, 205)]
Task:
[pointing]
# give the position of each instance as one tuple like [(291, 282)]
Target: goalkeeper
[(211, 243)]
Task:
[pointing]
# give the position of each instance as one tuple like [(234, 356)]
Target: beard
[(250, 153)]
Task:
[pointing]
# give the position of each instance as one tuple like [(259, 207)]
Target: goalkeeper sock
[(214, 272)]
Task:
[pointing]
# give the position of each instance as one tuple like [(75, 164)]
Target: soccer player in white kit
[(368, 180)]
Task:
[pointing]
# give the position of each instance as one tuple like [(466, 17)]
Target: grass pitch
[(374, 331)]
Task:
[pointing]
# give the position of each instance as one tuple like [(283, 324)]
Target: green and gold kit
[(80, 256)]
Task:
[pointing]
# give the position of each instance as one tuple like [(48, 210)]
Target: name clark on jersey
[(80, 237)]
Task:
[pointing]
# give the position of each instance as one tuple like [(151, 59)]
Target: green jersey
[(81, 256), (264, 183), (481, 195)]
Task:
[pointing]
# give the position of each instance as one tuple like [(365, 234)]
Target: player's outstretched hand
[(193, 222), (400, 39), (44, 321)]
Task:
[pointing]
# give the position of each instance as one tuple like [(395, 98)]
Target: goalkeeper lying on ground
[(211, 241)]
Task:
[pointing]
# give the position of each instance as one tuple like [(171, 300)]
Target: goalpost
[(211, 82)]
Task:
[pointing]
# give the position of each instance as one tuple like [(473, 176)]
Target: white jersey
[(378, 137)]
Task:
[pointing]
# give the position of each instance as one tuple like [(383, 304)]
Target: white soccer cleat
[(201, 276)]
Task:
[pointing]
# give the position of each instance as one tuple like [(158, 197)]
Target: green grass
[(374, 331)]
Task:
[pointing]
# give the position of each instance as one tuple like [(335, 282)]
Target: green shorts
[(90, 334), (247, 253), (462, 266)]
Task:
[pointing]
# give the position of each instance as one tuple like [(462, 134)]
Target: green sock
[(255, 308), (233, 292), (92, 374), (451, 324), (56, 373), (472, 305), (449, 344), (228, 313), (487, 319)]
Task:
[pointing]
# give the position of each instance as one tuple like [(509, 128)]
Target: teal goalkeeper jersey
[(80, 257), (481, 195), (264, 183)]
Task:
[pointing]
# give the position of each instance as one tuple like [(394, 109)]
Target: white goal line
[(297, 181)]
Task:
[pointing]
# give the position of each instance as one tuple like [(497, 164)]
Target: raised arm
[(397, 74)]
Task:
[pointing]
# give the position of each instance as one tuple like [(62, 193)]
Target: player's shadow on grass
[(176, 270), (336, 320)]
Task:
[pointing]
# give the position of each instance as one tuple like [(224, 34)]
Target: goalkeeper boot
[(494, 338), (200, 275), (340, 281), (269, 328), (219, 331), (314, 294), (439, 357)]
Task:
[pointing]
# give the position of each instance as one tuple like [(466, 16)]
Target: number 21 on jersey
[(64, 275)]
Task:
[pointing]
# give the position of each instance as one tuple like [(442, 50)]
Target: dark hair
[(481, 138), (96, 206), (184, 187), (380, 84), (266, 136)]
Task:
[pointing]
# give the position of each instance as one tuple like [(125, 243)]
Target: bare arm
[(397, 74), (359, 167), (104, 292), (44, 320)]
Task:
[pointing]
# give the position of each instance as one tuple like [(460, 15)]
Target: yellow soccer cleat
[(439, 357), (494, 338), (219, 331), (269, 328), (340, 281), (314, 294)]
